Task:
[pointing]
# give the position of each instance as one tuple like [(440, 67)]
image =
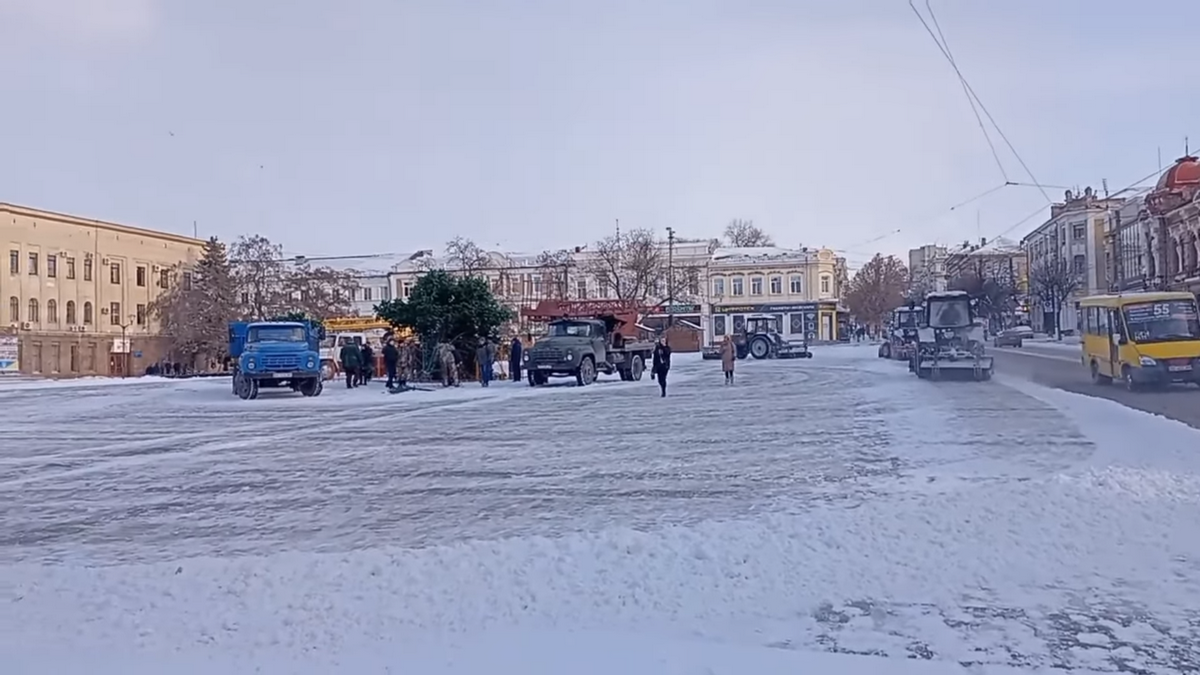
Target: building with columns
[(1172, 227)]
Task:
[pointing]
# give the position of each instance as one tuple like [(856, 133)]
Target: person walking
[(351, 358), (661, 363), (728, 358), (391, 359), (515, 353)]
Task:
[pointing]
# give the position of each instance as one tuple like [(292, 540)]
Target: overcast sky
[(386, 125)]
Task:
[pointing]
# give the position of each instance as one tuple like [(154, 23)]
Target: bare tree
[(466, 257), (876, 289), (193, 311), (555, 268), (1052, 282), (320, 292), (259, 273), (744, 233), (628, 267)]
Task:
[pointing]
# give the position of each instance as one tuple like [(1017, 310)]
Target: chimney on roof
[(982, 241)]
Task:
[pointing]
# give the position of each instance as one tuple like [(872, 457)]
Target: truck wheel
[(637, 366), (310, 387), (249, 389), (760, 348), (586, 373)]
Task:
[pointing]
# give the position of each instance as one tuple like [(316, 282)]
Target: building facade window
[(87, 269), (70, 267), (51, 266), (164, 279), (114, 273), (1080, 263), (1079, 231), (34, 313), (186, 279), (33, 264), (88, 317), (739, 286), (718, 287), (141, 315), (51, 308), (796, 284), (114, 313), (14, 262), (581, 289), (719, 326), (14, 309), (70, 313), (776, 285), (756, 285), (140, 276), (826, 284)]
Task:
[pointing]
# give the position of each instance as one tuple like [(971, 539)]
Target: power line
[(962, 80), (971, 92)]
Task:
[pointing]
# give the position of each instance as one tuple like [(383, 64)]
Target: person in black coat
[(661, 363), (391, 357), (514, 359), (367, 370)]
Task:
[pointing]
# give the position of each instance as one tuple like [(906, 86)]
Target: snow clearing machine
[(900, 341), (761, 338), (950, 340)]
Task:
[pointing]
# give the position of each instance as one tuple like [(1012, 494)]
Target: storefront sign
[(677, 309), (768, 309), (8, 355)]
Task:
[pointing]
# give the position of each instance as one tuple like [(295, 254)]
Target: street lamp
[(125, 346), (670, 276)]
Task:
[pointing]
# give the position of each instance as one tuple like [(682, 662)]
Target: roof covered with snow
[(758, 254), (378, 264)]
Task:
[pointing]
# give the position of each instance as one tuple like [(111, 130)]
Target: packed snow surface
[(834, 505)]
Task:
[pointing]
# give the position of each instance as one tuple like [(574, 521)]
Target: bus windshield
[(1162, 321)]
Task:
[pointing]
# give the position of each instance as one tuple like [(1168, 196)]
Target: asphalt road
[(1062, 369)]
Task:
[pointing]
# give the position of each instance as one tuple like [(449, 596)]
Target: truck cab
[(275, 354)]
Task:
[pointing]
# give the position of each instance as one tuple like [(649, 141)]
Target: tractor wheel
[(760, 348)]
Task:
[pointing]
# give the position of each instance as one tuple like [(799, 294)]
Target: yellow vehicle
[(1141, 338)]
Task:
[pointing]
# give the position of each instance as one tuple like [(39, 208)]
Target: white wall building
[(800, 287), (1076, 233)]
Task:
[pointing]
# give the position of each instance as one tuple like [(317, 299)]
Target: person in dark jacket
[(391, 359), (368, 364), (515, 353), (661, 363), (485, 357), (350, 356)]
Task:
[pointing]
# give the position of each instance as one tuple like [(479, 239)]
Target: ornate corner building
[(1171, 224)]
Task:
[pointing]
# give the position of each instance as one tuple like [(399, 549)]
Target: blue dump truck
[(275, 354)]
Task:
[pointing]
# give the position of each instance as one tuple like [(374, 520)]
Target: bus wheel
[(1127, 376)]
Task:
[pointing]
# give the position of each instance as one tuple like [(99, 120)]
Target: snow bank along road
[(1058, 366), (836, 505)]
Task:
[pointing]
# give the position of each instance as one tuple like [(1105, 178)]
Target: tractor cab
[(951, 337)]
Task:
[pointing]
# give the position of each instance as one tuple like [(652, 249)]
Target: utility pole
[(670, 276)]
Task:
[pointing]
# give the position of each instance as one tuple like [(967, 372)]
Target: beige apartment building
[(802, 288), (75, 293)]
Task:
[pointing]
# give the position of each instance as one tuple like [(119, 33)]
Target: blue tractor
[(275, 354)]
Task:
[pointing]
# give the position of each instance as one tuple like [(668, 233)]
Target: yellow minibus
[(1141, 338)]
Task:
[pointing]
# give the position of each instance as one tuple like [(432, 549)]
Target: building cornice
[(69, 219)]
